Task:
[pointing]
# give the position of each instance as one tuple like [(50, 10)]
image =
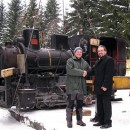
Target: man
[(103, 71), (76, 68)]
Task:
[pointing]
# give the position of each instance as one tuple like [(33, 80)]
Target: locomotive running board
[(121, 82), (9, 72)]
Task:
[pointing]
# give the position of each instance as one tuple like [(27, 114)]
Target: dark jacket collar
[(103, 57)]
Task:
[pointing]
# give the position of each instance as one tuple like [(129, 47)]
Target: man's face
[(101, 52), (78, 54)]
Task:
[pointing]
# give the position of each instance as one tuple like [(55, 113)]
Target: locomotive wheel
[(40, 105), (32, 107), (51, 104)]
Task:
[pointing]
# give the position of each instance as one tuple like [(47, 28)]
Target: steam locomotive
[(28, 70), (32, 76)]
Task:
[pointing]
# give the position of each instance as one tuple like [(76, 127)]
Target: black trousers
[(74, 101), (104, 108)]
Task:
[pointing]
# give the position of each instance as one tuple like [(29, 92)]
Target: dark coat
[(103, 72), (76, 83)]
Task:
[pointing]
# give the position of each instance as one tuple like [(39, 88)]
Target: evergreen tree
[(111, 17), (51, 11), (126, 25), (2, 21), (32, 13), (13, 18), (114, 19), (65, 22), (52, 28), (41, 25), (41, 18), (99, 17), (51, 19), (80, 19), (24, 15)]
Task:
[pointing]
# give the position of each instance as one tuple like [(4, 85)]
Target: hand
[(104, 88), (84, 73)]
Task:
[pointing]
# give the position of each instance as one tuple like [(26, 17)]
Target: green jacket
[(76, 83)]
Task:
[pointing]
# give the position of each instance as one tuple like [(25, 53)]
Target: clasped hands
[(104, 88), (84, 73)]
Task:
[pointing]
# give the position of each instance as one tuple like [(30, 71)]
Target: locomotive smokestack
[(31, 38)]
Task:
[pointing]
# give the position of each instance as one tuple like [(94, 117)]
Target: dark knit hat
[(78, 48)]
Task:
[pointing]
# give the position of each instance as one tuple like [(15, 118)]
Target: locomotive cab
[(116, 48)]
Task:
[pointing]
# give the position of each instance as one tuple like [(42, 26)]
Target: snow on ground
[(56, 119), (7, 122), (128, 73)]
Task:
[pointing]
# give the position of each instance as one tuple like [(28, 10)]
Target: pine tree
[(41, 25), (51, 11), (51, 20), (65, 26), (126, 25), (24, 15), (32, 13), (80, 19), (114, 19), (12, 22), (112, 16), (2, 21), (41, 18)]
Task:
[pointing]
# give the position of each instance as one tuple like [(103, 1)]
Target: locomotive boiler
[(29, 70)]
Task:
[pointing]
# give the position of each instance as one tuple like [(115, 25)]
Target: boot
[(79, 117), (69, 117), (69, 124), (81, 123)]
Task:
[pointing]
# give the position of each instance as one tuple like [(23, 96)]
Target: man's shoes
[(94, 119), (97, 124), (81, 123), (105, 126)]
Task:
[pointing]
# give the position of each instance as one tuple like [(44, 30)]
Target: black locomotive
[(32, 76)]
